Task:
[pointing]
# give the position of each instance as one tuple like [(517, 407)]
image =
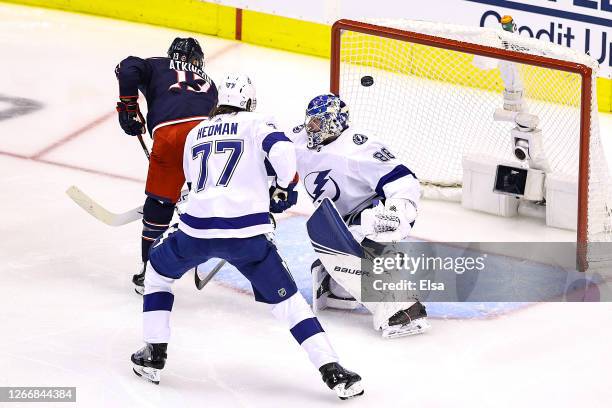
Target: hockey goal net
[(417, 86)]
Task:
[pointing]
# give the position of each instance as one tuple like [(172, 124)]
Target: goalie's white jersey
[(224, 162), (352, 171)]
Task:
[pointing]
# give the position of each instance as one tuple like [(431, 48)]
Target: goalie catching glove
[(130, 118), (390, 222)]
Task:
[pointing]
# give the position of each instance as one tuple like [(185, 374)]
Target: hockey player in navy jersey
[(354, 170), (227, 216), (179, 95)]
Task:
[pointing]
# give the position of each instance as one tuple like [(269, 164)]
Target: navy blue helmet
[(187, 50)]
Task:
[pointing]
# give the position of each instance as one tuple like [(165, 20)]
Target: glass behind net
[(434, 105)]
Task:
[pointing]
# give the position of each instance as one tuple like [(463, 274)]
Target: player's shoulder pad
[(131, 60), (128, 62)]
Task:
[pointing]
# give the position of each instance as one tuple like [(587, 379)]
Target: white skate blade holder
[(148, 373), (416, 326), (355, 390)]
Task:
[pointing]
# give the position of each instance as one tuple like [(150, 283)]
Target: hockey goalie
[(375, 194)]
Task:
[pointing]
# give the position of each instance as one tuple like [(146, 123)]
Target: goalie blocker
[(340, 253)]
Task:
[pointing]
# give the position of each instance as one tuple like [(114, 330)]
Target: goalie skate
[(407, 322)]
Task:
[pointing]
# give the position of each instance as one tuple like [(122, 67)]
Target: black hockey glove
[(282, 199), (130, 119)]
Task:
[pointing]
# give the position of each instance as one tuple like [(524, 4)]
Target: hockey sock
[(157, 305), (156, 217), (306, 329)]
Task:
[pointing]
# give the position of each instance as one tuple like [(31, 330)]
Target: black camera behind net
[(511, 180)]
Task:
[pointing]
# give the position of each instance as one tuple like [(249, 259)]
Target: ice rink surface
[(69, 317)]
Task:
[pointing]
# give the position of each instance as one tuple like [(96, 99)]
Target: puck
[(367, 80)]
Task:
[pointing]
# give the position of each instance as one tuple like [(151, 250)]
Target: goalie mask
[(326, 118), (187, 50), (238, 91)]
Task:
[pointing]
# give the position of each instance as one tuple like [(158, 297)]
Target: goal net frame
[(584, 71)]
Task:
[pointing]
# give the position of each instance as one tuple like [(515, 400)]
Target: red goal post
[(585, 72)]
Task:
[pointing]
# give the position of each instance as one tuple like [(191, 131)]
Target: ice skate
[(149, 361), (138, 281), (345, 383), (407, 322)]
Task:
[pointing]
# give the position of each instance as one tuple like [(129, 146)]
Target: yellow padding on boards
[(189, 15), (459, 68), (286, 33), (604, 94)]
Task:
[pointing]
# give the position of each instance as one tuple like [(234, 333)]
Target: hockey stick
[(200, 283), (101, 213), (145, 149), (107, 217)]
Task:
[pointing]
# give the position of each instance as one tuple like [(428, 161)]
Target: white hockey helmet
[(237, 90)]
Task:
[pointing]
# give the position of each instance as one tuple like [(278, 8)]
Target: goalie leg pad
[(338, 250), (326, 292), (320, 286)]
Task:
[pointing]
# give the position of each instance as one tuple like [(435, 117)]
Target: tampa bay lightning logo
[(319, 182), (359, 139)]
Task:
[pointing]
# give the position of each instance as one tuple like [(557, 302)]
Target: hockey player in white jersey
[(227, 216), (354, 170)]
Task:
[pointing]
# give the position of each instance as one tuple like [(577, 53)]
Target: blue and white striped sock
[(306, 329), (157, 305)]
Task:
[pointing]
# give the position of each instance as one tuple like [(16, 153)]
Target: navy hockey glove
[(130, 119), (282, 199)]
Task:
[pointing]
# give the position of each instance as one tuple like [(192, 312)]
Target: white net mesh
[(435, 105)]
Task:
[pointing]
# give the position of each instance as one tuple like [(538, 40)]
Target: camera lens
[(521, 149)]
